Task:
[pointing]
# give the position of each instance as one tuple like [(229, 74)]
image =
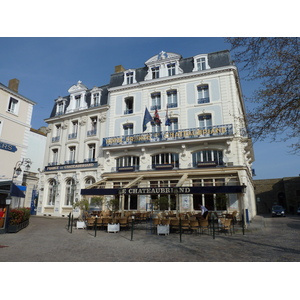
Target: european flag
[(147, 119)]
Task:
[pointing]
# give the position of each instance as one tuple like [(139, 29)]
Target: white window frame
[(13, 106), (70, 192), (200, 61), (127, 109), (171, 69), (156, 101), (128, 129), (54, 159), (129, 77), (207, 120), (172, 98), (91, 152), (203, 95)]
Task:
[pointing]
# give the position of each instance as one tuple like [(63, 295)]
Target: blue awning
[(17, 191)]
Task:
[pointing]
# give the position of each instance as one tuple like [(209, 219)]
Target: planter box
[(17, 227), (163, 229), (80, 225), (113, 227)]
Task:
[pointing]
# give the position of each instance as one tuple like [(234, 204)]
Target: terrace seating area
[(188, 222)]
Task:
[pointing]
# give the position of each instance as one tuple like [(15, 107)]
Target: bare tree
[(275, 63)]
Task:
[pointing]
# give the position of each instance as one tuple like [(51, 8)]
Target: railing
[(203, 100), (154, 107), (173, 135), (70, 162), (55, 139), (72, 136), (171, 105), (89, 159), (92, 132), (128, 111)]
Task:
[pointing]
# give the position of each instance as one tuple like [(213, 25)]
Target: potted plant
[(97, 201), (83, 206)]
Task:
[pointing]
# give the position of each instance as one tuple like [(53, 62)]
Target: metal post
[(243, 224), (213, 222), (95, 225), (132, 223), (180, 229), (71, 223)]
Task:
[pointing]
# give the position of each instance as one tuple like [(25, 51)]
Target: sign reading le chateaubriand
[(8, 147)]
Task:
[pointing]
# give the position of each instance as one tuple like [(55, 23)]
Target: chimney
[(14, 84), (119, 68)]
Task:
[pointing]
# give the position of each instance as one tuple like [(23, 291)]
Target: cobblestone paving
[(48, 240)]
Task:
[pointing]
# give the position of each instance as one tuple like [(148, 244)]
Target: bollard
[(243, 224), (213, 222), (71, 223), (95, 225), (180, 229), (132, 223)]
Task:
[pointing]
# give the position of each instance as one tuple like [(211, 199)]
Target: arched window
[(70, 191), (126, 162), (207, 156), (89, 181), (165, 159), (52, 192)]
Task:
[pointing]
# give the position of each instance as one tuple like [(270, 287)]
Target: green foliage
[(17, 216), (83, 205), (161, 203), (97, 201), (113, 204)]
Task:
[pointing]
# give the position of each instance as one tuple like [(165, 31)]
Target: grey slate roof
[(215, 60)]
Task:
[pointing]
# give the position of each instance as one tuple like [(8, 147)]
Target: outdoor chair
[(204, 225), (99, 222), (185, 225), (174, 224), (194, 226), (90, 223), (123, 223), (226, 226)]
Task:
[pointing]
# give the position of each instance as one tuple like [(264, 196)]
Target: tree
[(275, 63)]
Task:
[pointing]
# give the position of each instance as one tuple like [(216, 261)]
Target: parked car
[(278, 210)]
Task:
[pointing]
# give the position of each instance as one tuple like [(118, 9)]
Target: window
[(89, 181), (52, 192), (128, 129), (54, 156), (1, 125), (201, 63), (70, 192), (13, 105), (172, 98), (207, 156), (155, 127), (129, 77), (93, 126), (57, 133), (77, 101), (155, 98), (155, 72), (171, 69), (128, 161), (95, 100), (203, 94), (174, 124), (72, 153), (91, 152), (128, 106), (205, 120), (165, 158), (73, 134)]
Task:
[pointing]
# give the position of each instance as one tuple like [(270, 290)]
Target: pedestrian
[(204, 211)]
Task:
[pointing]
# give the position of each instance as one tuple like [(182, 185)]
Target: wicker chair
[(123, 223), (194, 226), (204, 225)]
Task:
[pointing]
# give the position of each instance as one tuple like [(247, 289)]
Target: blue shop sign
[(8, 147)]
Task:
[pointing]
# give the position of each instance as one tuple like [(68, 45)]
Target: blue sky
[(47, 67)]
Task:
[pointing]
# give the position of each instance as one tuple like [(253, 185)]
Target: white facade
[(205, 145)]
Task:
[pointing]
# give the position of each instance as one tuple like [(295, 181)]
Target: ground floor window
[(210, 201)]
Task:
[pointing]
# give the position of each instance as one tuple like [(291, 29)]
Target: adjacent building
[(15, 123), (174, 128)]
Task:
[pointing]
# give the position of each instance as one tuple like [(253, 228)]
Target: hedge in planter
[(18, 219)]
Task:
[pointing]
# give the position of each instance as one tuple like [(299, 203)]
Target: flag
[(168, 121), (147, 119), (156, 118)]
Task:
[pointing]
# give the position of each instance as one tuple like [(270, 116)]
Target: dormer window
[(171, 69), (200, 63), (60, 106), (96, 99), (129, 77), (95, 96), (77, 101), (77, 97), (155, 72)]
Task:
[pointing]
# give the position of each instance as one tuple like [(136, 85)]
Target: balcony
[(171, 105), (173, 135), (128, 111), (154, 107), (55, 139), (72, 136), (203, 100), (90, 160), (92, 132)]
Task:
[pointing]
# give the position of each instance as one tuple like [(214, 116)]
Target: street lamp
[(17, 169)]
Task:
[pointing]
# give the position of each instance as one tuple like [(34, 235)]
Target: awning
[(7, 187)]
